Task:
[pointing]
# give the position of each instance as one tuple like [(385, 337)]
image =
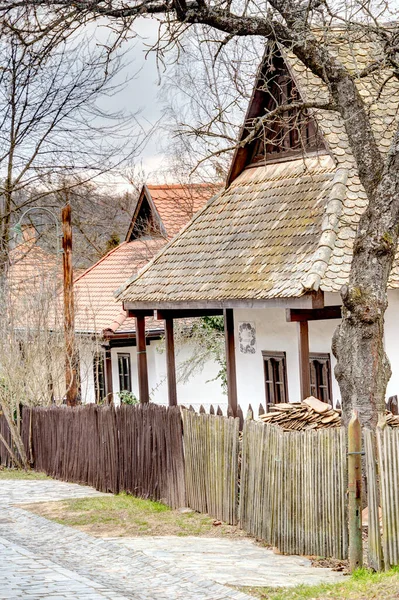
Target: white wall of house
[(273, 333), (392, 341), (199, 389), (86, 372)]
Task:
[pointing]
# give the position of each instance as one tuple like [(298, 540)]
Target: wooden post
[(355, 493), (170, 362), (142, 360), (108, 376), (304, 365), (71, 361), (230, 360)]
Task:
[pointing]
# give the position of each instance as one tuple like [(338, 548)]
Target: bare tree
[(306, 28), (53, 128), (206, 90)]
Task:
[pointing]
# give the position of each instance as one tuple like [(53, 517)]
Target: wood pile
[(310, 414)]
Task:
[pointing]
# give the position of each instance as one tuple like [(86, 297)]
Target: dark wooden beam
[(186, 313), (230, 360), (108, 376), (313, 314), (140, 313), (318, 299), (142, 360), (170, 362), (304, 364)]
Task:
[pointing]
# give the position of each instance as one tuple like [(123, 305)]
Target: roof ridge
[(169, 186), (79, 277), (118, 294), (329, 231)]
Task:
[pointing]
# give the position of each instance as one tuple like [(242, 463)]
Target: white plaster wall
[(86, 373), (391, 339), (199, 389), (273, 333)]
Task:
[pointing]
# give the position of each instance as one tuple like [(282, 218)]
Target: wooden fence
[(382, 450), (293, 489), (5, 458), (211, 445), (137, 449)]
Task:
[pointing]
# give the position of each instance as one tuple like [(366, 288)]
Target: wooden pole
[(304, 364), (230, 360), (170, 362), (355, 493), (71, 361), (108, 376), (142, 360)]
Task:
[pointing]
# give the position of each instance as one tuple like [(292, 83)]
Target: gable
[(146, 221), (282, 136)]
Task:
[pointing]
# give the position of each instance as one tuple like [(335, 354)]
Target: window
[(125, 379), (291, 132), (320, 377), (99, 376), (275, 377)]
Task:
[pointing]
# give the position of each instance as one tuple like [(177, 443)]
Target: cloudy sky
[(141, 94)]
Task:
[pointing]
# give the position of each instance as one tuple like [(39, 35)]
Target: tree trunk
[(363, 368)]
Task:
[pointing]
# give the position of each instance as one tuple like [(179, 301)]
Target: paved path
[(237, 562), (42, 560)]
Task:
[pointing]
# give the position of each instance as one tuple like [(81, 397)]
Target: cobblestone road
[(42, 560)]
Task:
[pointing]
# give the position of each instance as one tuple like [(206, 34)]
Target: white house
[(273, 250), (107, 348)]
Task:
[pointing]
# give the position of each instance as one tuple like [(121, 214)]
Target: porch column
[(230, 359), (170, 362), (142, 360), (304, 365), (108, 376)]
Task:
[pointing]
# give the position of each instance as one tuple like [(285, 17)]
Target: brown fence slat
[(137, 449)]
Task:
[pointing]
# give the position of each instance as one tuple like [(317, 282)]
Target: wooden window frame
[(125, 355), (321, 357), (276, 356)]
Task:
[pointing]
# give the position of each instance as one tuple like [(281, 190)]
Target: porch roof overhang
[(204, 306)]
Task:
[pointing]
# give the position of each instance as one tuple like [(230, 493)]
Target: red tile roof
[(96, 308), (29, 264), (176, 204)]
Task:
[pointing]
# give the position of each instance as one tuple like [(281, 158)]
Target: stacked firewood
[(392, 420), (310, 414)]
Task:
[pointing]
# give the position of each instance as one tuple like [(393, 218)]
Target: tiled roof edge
[(119, 293), (329, 230)]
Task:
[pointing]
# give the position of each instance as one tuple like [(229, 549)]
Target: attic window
[(291, 132)]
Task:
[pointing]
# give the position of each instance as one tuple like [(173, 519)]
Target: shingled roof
[(279, 230), (97, 311)]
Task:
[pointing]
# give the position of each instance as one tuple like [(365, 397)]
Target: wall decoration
[(247, 337)]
